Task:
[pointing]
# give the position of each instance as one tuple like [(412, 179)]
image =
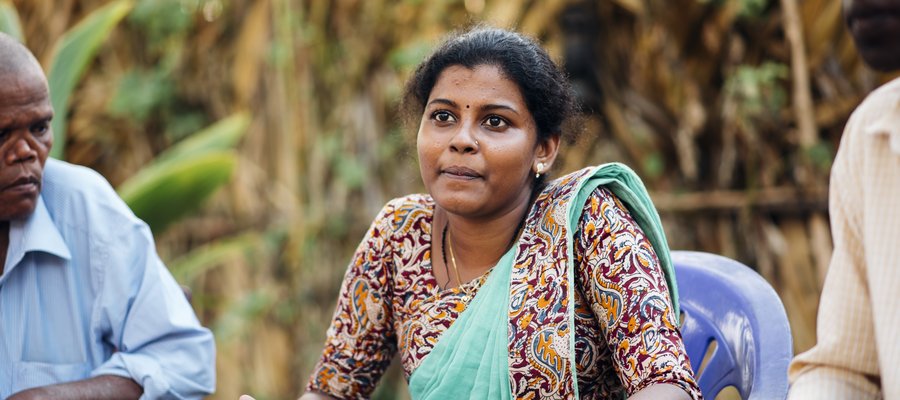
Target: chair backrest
[(725, 302)]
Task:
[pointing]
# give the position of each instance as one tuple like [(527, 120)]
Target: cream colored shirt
[(858, 326)]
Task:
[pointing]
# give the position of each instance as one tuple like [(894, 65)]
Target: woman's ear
[(545, 153)]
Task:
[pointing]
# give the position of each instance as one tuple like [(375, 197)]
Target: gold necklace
[(453, 262)]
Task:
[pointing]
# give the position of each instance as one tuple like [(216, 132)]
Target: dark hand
[(101, 387), (30, 394)]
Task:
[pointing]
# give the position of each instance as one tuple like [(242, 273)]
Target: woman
[(479, 282)]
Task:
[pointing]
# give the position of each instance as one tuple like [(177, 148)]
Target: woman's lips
[(459, 172)]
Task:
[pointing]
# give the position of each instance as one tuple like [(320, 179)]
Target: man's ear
[(546, 152)]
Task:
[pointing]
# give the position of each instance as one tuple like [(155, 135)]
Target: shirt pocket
[(30, 374)]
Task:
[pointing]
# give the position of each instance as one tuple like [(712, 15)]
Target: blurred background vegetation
[(259, 137)]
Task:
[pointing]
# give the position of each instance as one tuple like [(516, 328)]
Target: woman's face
[(477, 143)]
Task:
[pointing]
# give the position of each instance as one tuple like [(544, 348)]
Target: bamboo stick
[(802, 96), (777, 199)]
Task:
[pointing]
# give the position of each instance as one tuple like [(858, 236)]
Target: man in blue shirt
[(87, 309)]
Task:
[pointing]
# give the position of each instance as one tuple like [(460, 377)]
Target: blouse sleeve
[(361, 342), (622, 280)]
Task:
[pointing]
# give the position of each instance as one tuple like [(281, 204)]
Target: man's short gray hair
[(15, 57)]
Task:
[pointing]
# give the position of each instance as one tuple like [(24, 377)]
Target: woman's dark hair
[(544, 86)]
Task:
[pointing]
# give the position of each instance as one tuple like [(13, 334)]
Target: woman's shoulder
[(564, 187), (406, 212), (601, 199), (604, 204), (565, 184), (410, 203)]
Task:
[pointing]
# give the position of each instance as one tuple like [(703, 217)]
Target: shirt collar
[(37, 232), (888, 120)]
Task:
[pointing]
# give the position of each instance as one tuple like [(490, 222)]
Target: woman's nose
[(464, 140)]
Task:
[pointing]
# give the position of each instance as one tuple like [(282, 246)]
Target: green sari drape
[(472, 358), (465, 363)]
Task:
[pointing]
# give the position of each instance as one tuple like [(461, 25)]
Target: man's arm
[(159, 341), (98, 388), (844, 362)]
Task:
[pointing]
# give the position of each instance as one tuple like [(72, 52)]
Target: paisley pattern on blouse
[(625, 332)]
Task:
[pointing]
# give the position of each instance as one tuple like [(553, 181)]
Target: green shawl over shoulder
[(485, 351)]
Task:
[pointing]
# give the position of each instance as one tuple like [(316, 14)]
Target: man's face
[(875, 26), (25, 140)]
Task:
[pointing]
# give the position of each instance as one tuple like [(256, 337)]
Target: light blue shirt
[(85, 294)]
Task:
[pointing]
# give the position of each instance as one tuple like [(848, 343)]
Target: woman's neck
[(478, 243)]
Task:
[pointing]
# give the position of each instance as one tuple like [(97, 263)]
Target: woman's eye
[(495, 122), (442, 116)]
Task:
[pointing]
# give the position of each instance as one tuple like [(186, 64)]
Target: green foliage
[(178, 181), (351, 172), (9, 21), (139, 93), (246, 310), (654, 164), (753, 8), (248, 246), (748, 8), (222, 135), (397, 145), (150, 92), (161, 20), (181, 178), (184, 124), (71, 55), (822, 155), (162, 193), (758, 89), (409, 56)]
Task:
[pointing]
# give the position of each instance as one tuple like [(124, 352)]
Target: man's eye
[(40, 128), (495, 122)]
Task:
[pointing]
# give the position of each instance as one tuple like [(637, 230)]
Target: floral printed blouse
[(390, 301)]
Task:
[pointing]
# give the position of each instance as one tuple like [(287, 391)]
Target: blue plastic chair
[(724, 301)]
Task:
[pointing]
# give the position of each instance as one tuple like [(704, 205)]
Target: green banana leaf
[(200, 178), (9, 21), (248, 246), (70, 57), (162, 193), (222, 135)]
